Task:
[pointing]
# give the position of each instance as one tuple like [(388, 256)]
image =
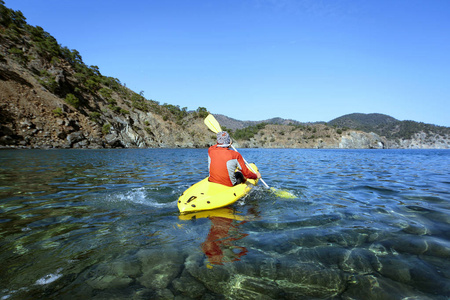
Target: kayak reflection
[(220, 245)]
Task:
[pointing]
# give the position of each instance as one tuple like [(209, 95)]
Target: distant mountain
[(398, 134), (233, 124), (387, 126), (360, 121)]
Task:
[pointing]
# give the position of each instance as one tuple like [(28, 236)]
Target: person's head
[(223, 139)]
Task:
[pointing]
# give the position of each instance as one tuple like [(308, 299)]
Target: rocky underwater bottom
[(311, 266)]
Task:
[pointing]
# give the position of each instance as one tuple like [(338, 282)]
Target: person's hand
[(258, 175)]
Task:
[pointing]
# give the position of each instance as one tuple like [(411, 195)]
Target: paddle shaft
[(251, 169)]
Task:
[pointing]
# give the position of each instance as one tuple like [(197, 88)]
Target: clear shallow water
[(102, 224)]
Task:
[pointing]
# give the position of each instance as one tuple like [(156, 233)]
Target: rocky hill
[(350, 131), (399, 133), (234, 124), (49, 98), (363, 121)]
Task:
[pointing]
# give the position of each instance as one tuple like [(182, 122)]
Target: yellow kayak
[(205, 195)]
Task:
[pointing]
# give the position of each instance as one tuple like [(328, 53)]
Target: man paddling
[(223, 163)]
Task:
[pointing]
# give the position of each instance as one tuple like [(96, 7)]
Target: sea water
[(104, 224)]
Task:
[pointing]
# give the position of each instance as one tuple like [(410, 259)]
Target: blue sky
[(307, 60)]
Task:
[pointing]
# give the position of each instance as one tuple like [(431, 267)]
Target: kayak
[(205, 195)]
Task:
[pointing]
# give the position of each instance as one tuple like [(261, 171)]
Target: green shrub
[(15, 51), (202, 112), (72, 100), (94, 116), (91, 85), (139, 102), (80, 77), (57, 112), (114, 108), (248, 132), (49, 83), (105, 92), (55, 61), (106, 128), (176, 111), (18, 55)]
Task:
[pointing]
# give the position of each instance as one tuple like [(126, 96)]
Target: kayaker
[(225, 165)]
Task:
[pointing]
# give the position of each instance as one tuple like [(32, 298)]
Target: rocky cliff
[(33, 117), (50, 99)]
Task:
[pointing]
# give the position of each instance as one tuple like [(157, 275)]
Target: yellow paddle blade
[(212, 124), (283, 194)]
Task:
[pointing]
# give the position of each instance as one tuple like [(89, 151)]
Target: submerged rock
[(374, 287), (246, 287), (109, 282), (126, 268), (309, 280), (159, 267), (264, 277), (188, 285)]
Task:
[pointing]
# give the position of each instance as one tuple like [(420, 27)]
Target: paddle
[(214, 126)]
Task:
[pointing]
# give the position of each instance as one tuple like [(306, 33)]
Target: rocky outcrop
[(421, 140), (362, 140)]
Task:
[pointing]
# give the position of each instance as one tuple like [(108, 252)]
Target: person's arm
[(246, 171)]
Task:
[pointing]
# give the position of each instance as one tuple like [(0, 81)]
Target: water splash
[(49, 278)]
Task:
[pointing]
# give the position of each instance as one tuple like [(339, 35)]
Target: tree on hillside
[(248, 132), (202, 112), (10, 18)]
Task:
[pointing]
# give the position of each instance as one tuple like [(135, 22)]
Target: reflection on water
[(220, 245), (104, 224)]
